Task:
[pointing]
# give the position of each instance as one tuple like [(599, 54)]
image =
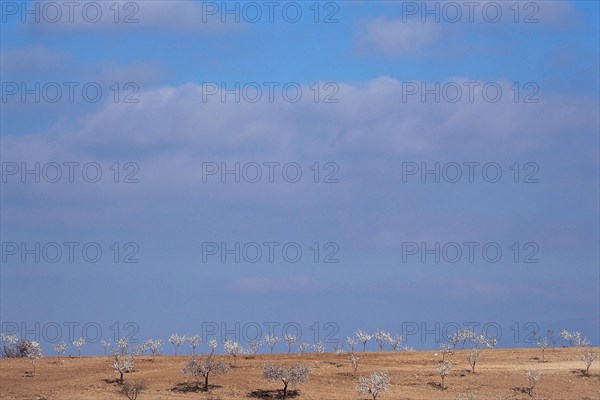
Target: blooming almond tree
[(373, 384), (395, 341), (140, 349), (33, 351), (363, 337), (532, 376), (443, 369), (319, 347), (542, 343), (272, 341), (123, 364), (354, 362), (10, 346), (294, 375), (382, 338), (588, 358), (60, 349), (472, 358), (176, 340), (290, 340), (351, 343), (193, 341), (574, 338), (79, 343), (234, 349), (253, 347), (155, 346), (105, 345), (213, 344), (203, 367), (303, 347)]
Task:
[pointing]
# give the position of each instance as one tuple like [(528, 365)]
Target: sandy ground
[(499, 375)]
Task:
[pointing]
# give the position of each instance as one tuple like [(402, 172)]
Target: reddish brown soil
[(499, 375)]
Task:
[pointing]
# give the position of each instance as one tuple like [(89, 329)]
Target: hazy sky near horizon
[(314, 166)]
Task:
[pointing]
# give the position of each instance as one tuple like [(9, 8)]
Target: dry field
[(499, 375)]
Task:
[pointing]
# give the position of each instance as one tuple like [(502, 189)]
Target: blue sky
[(366, 59)]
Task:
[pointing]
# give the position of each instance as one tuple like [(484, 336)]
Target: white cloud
[(393, 37), (179, 16)]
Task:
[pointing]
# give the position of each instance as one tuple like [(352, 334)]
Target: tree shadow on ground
[(524, 390), (436, 385), (192, 387), (273, 394)]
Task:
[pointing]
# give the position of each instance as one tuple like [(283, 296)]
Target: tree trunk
[(285, 390), (206, 382), (121, 372)]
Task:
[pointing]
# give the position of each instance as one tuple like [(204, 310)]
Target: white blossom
[(290, 340), (193, 341), (176, 340), (272, 341), (60, 348), (294, 375), (79, 343), (373, 384), (363, 337), (319, 347)]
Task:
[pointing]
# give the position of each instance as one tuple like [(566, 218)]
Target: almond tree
[(213, 344), (10, 346), (176, 340), (473, 357), (290, 340), (204, 367), (319, 347), (234, 349), (532, 376), (140, 349), (574, 338), (303, 347), (123, 364), (60, 349), (443, 369), (253, 347), (294, 375), (193, 341), (155, 346), (382, 338), (33, 351), (354, 362), (351, 343), (588, 358), (79, 343), (395, 341), (363, 337), (105, 345), (272, 341), (542, 344), (373, 384)]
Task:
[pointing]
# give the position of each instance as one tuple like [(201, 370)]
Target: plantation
[(500, 373)]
